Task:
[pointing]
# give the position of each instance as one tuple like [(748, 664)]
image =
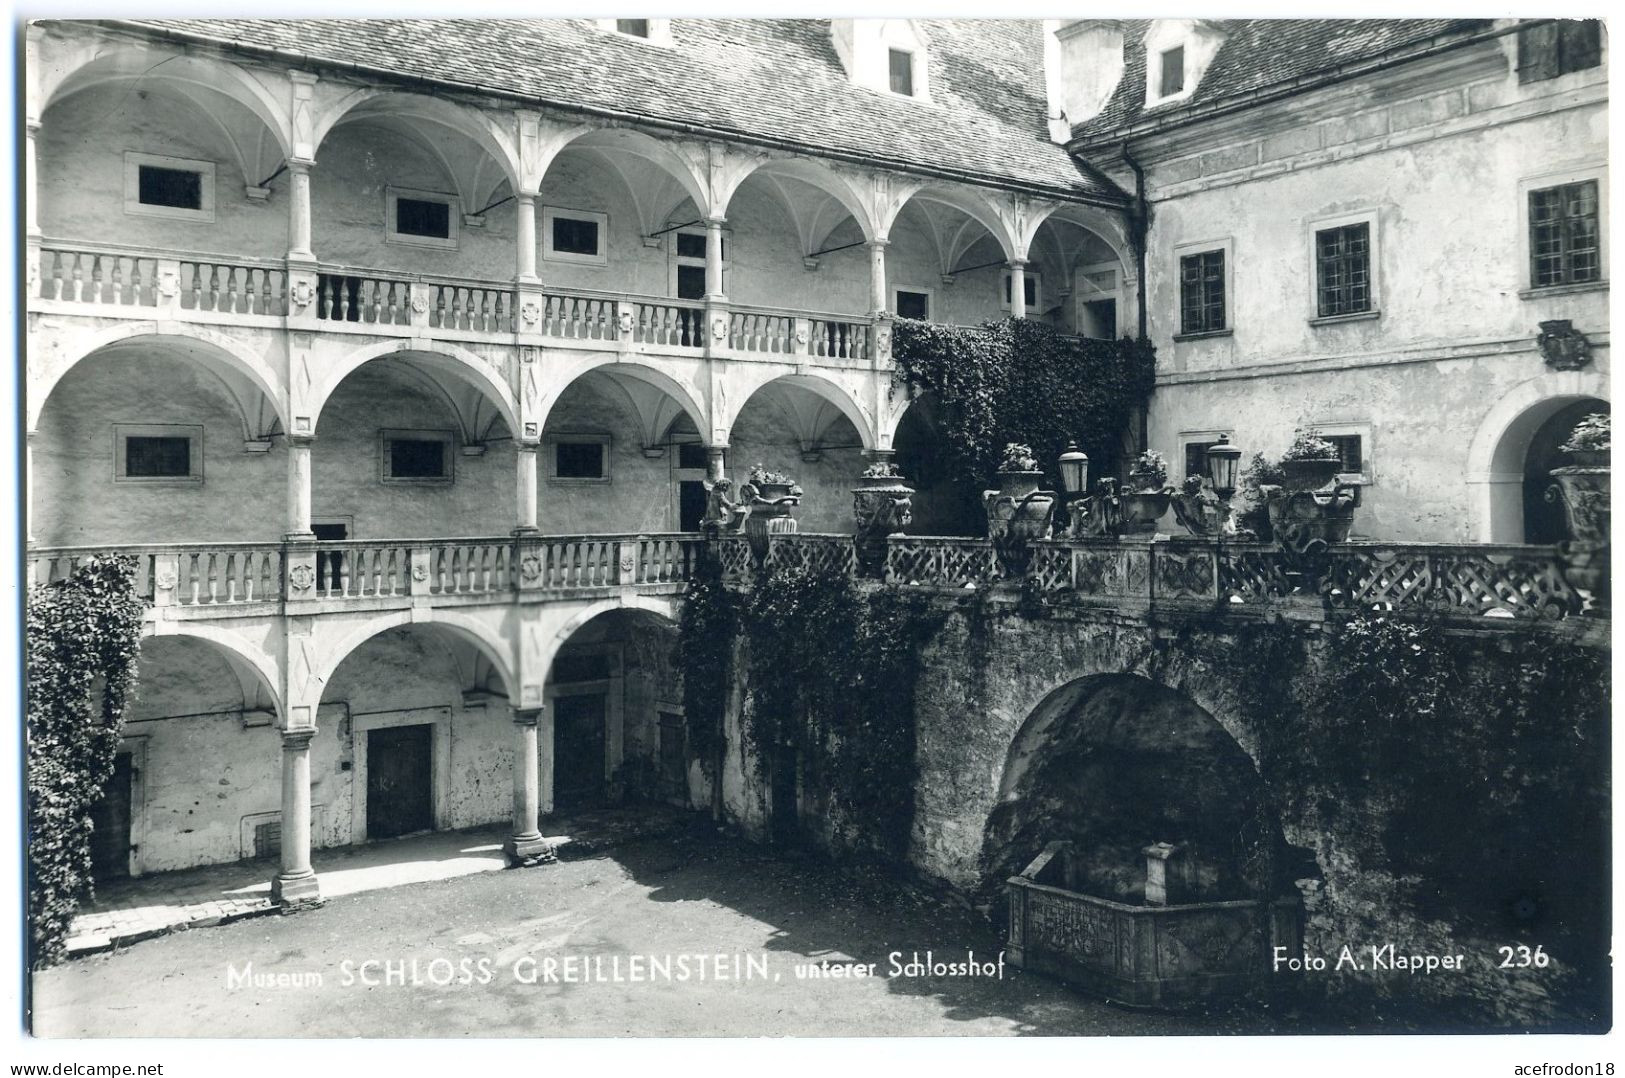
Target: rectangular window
[(175, 187), (419, 217), (1564, 235), (1343, 268), (150, 452), (1201, 292), (913, 304), (1557, 48), (691, 245), (1173, 71), (1100, 319), (415, 456), (158, 457), (581, 459), (156, 186), (633, 27), (1352, 460), (902, 72), (574, 235)]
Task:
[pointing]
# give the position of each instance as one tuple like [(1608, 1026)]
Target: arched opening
[(810, 434), (406, 183), (1116, 763), (412, 444), (1543, 518), (615, 698), (1520, 465), (414, 735), (162, 150), (947, 260), (137, 441), (197, 774), (797, 231), (944, 504), (622, 452)]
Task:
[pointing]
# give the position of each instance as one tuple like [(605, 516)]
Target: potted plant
[(882, 505), (1310, 462), (1018, 512), (1584, 483), (771, 496), (1146, 493)]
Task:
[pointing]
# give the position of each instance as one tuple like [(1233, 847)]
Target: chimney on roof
[(1083, 63)]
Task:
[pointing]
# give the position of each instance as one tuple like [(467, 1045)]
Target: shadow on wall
[(1115, 763)]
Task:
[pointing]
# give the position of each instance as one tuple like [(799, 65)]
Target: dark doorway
[(578, 751), (329, 563), (1543, 520), (690, 505), (399, 798), (944, 504), (110, 823)]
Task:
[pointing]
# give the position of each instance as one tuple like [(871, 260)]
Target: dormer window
[(648, 31), (902, 72), (1173, 71), (1177, 55), (889, 56)]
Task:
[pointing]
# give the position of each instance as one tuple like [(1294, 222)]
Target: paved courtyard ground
[(619, 912)]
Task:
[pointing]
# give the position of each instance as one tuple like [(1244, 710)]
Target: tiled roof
[(1260, 53), (776, 79)]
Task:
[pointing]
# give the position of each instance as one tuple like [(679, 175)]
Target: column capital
[(297, 738), (1016, 263), (301, 164), (878, 244), (526, 716), (715, 220), (300, 441)]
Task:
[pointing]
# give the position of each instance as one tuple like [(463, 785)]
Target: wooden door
[(110, 823), (399, 795), (578, 751)]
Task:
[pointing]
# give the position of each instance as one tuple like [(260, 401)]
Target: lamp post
[(1204, 507), (1086, 514)]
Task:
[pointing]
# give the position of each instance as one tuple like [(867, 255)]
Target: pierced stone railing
[(1457, 580), (465, 566), (344, 295), (761, 331), (477, 306), (579, 316), (108, 275), (355, 570)]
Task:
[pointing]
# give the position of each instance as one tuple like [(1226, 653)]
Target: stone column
[(299, 487), (527, 454), (28, 487), (526, 214), (1018, 288), (299, 211), (296, 884), (714, 291), (526, 846), (877, 277), (716, 465), (31, 201)]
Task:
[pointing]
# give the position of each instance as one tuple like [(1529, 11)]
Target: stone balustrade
[(111, 281)]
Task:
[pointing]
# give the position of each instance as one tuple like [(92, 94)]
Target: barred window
[(1550, 49), (1343, 262), (1201, 292), (1196, 457), (1564, 235), (1350, 457)]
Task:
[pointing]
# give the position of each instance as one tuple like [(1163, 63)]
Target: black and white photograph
[(726, 526)]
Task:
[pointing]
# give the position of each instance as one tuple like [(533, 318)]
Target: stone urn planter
[(772, 499), (1308, 521), (1146, 494), (1584, 486), (1308, 474), (882, 505), (1018, 512)]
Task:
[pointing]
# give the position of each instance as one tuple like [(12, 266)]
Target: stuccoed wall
[(1454, 335)]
